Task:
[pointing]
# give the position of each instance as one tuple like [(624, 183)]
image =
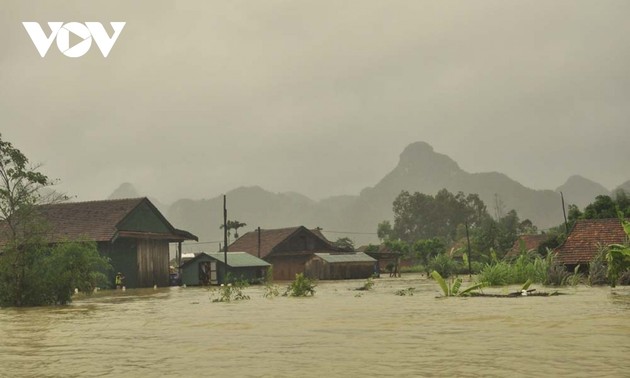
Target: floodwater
[(338, 333)]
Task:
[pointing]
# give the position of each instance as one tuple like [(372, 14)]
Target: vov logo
[(61, 32)]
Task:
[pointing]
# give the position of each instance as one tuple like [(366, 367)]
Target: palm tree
[(233, 225)]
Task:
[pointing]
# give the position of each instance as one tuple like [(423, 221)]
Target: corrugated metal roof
[(334, 258), (238, 259)]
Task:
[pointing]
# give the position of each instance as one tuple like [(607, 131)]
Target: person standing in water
[(119, 280)]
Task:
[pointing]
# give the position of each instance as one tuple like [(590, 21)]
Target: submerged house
[(208, 268), (340, 266), (586, 239), (526, 242), (132, 233), (289, 251), (387, 259)]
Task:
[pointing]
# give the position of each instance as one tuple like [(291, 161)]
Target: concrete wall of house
[(123, 257), (153, 263), (285, 267)]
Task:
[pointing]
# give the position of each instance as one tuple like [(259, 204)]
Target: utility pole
[(179, 261), (258, 242), (469, 254), (566, 224), (225, 241)]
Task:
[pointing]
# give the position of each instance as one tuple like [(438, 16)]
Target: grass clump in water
[(452, 288), (301, 287)]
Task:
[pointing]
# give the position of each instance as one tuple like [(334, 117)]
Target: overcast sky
[(318, 97)]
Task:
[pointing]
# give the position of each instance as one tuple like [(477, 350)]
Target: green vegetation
[(233, 225), (344, 244), (231, 292), (271, 290), (527, 267), (50, 275), (452, 288), (618, 255), (301, 287), (367, 286), (32, 273), (405, 292)]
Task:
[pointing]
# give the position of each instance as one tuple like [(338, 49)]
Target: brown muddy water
[(337, 333)]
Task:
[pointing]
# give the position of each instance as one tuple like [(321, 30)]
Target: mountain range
[(420, 169)]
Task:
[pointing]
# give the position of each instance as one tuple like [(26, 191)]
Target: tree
[(344, 244), (426, 249), (20, 191), (618, 255), (26, 260), (420, 216), (384, 230), (233, 225), (603, 207), (61, 269)]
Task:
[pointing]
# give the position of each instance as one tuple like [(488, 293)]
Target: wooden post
[(566, 224), (469, 254), (225, 241), (179, 260), (258, 242)]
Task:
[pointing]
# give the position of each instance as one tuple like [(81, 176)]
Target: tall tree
[(344, 244), (233, 225), (26, 260), (420, 216)]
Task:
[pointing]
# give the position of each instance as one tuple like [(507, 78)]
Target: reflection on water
[(180, 332)]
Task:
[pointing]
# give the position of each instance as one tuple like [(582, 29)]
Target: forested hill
[(420, 169)]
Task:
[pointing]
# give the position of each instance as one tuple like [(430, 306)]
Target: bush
[(624, 278), (51, 275), (444, 265), (413, 269), (495, 274), (232, 292), (557, 275), (528, 267), (597, 269), (301, 287)]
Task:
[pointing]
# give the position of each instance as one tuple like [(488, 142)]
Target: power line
[(202, 242), (349, 232)]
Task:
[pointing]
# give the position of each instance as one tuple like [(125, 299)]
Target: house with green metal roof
[(208, 268)]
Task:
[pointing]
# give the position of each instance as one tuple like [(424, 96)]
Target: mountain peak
[(581, 191), (421, 154), (125, 190)]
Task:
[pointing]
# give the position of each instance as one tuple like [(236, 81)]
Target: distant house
[(339, 266), (586, 238), (131, 232), (207, 268), (287, 249), (530, 242), (383, 255)]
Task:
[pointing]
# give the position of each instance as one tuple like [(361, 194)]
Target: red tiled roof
[(269, 239), (583, 242), (531, 242)]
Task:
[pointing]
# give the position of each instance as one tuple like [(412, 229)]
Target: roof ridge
[(96, 201)]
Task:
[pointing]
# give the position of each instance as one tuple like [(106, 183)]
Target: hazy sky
[(319, 97)]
